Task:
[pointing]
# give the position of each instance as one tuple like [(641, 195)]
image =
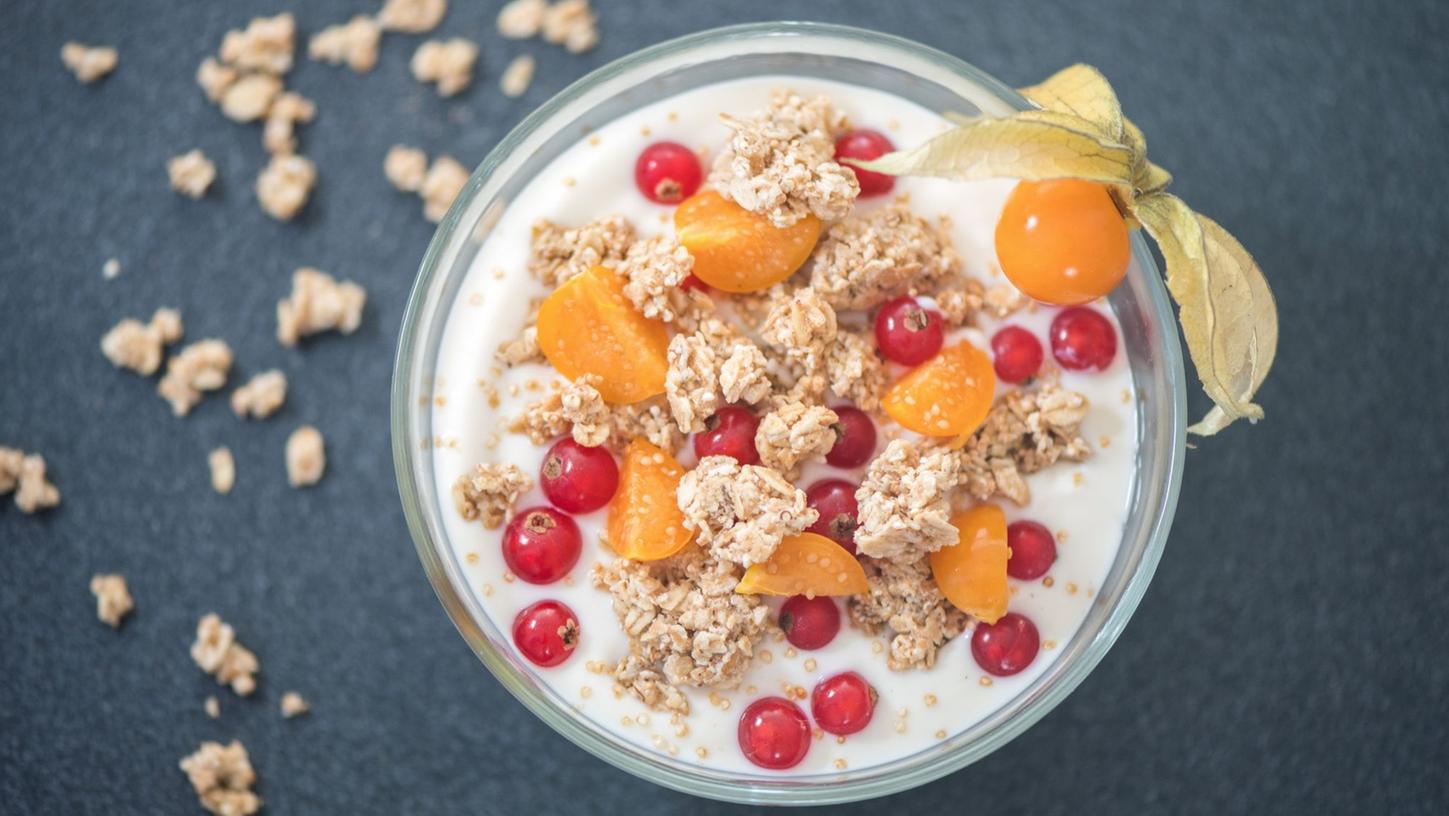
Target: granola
[(113, 599), (412, 16), (521, 19), (443, 182), (354, 43), (223, 470), (1024, 432), (201, 366), (88, 62), (741, 513), (191, 173), (217, 652), (280, 129), (285, 185), (905, 501), (215, 78), (802, 325), (871, 257), (692, 381), (572, 24), (958, 299), (650, 420), (137, 346), (1003, 300), (306, 457), (854, 369), (25, 475), (584, 409), (516, 77), (266, 45), (261, 396), (521, 349), (318, 303), (903, 601), (653, 270), (559, 252), (449, 63), (222, 777), (489, 492), (405, 167), (248, 97), (294, 705), (743, 375), (795, 433)]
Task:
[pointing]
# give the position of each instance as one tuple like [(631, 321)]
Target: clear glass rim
[(414, 470)]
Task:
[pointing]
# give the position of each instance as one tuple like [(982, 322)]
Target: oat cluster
[(795, 433), (89, 63), (489, 492), (138, 346), (412, 16), (223, 470), (438, 184), (200, 367), (262, 395), (570, 23), (560, 253), (318, 303), (447, 63), (905, 501), (515, 79), (222, 777), (306, 457), (113, 599), (24, 474), (653, 270), (353, 43), (871, 257), (217, 652), (904, 603), (191, 173), (741, 513), (294, 705)]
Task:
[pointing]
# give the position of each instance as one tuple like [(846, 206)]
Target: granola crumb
[(521, 349), (279, 132), (217, 652), (903, 601), (405, 167), (266, 45), (584, 408), (354, 43), (692, 382), (1024, 432), (958, 300), (294, 705), (522, 19), (111, 269), (412, 16), (802, 325), (88, 62), (443, 182), (572, 24), (191, 173), (318, 303), (211, 706), (306, 457), (261, 396), (137, 346), (871, 257), (560, 253), (793, 433), (488, 493), (223, 470), (650, 420), (248, 97), (905, 501), (285, 185), (517, 76), (449, 63), (222, 777), (1003, 300), (215, 78), (653, 270), (113, 599), (741, 513), (25, 474), (855, 370), (200, 367)]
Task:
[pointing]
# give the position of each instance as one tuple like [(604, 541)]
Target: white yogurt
[(1085, 504)]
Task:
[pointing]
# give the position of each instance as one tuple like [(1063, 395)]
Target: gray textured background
[(1289, 657)]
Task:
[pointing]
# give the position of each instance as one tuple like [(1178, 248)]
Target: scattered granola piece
[(137, 346), (318, 303), (654, 268), (223, 470), (249, 97), (354, 42), (559, 252), (1025, 432), (795, 433), (741, 513), (780, 161), (279, 131), (405, 167), (542, 421), (649, 686), (650, 420), (488, 493), (800, 324), (10, 461), (223, 777), (191, 173), (412, 16), (306, 457), (261, 396), (517, 76), (25, 474), (215, 78), (265, 45), (88, 62), (521, 349), (743, 376), (1002, 300), (874, 256), (201, 366), (958, 300), (442, 184), (111, 269), (521, 19), (217, 653), (113, 599), (572, 24), (581, 404), (692, 382), (294, 705), (284, 186), (211, 706), (449, 63), (856, 372), (905, 501), (904, 602)]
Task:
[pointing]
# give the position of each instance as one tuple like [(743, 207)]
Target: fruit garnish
[(866, 144), (1082, 338), (948, 395), (907, 332), (843, 704), (972, 572), (546, 633), (588, 326), (1007, 646), (541, 545), (578, 478), (1016, 355), (730, 431), (1062, 241), (1033, 550), (805, 564), (737, 250), (1228, 317), (809, 623), (774, 733), (667, 172), (854, 438), (834, 500), (645, 522)]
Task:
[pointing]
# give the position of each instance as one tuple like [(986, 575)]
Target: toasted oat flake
[(215, 78), (517, 76), (559, 252), (113, 599), (211, 706), (306, 457), (191, 173), (572, 24), (217, 652), (25, 475), (405, 167), (280, 129), (583, 407), (222, 777), (443, 182), (449, 63), (88, 62), (285, 185), (249, 96), (489, 492), (200, 367), (354, 43), (318, 303), (265, 45), (741, 513), (412, 16), (261, 396), (794, 433), (137, 346), (871, 257), (294, 705), (522, 19), (223, 470)]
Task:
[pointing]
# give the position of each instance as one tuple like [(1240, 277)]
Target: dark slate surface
[(1289, 656)]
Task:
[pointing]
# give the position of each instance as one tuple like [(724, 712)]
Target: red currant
[(908, 333), (1082, 338), (854, 438), (835, 500), (692, 282), (774, 733), (541, 545), (1017, 354), (667, 172), (810, 623), (1007, 646), (843, 704), (729, 432), (577, 478), (546, 632), (1033, 550), (866, 145)]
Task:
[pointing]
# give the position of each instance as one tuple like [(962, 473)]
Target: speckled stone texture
[(1288, 658)]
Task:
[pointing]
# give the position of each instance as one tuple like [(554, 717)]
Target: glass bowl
[(930, 78)]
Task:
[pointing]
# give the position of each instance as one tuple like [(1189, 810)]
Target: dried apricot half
[(948, 395), (805, 564), (972, 572), (737, 250), (645, 522), (587, 326)]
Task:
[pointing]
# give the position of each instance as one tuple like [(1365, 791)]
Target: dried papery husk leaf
[(1081, 91), (1228, 316), (1147, 177)]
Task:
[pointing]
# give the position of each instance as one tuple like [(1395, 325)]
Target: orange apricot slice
[(645, 522), (948, 395), (739, 251), (972, 572), (588, 326), (805, 564)]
